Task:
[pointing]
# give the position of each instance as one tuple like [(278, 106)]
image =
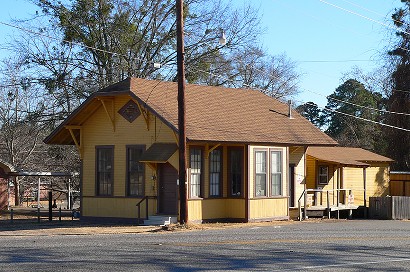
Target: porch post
[(8, 194), (364, 192), (338, 190), (38, 193)]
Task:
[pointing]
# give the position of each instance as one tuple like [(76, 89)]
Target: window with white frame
[(196, 169), (276, 172), (323, 177), (260, 173), (268, 172)]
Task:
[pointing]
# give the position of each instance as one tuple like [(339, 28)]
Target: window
[(235, 171), (268, 172), (276, 172), (323, 175), (260, 173), (196, 167), (215, 172), (104, 170), (135, 171)]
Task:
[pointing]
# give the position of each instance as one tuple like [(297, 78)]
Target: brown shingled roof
[(346, 155), (221, 114)]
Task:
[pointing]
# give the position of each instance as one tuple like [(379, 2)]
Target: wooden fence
[(389, 207), (400, 183)]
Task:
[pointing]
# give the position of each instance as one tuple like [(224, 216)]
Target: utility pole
[(183, 202)]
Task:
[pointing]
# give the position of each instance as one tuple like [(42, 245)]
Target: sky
[(325, 38)]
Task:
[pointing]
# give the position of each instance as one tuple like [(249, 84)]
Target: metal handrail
[(138, 205)]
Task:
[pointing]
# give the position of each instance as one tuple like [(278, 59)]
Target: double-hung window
[(276, 172), (196, 170), (104, 170), (260, 173), (215, 172), (268, 172), (323, 175), (235, 156), (135, 171)]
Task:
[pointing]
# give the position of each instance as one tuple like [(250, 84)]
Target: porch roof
[(349, 156), (159, 152)]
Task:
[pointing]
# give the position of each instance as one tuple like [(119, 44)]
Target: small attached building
[(246, 152), (350, 175)]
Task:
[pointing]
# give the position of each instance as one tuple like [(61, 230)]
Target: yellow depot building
[(246, 152)]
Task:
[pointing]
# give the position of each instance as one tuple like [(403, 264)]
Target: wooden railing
[(144, 199), (304, 195)]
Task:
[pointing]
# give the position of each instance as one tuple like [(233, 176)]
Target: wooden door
[(168, 189), (292, 191)]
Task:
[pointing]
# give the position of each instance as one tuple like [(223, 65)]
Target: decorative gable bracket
[(77, 138), (145, 113), (108, 105), (209, 150)]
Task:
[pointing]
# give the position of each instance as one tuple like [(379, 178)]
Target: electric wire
[(357, 105), (364, 17), (359, 118), (374, 12)]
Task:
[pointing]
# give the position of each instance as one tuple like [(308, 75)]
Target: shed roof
[(346, 155), (212, 114), (159, 152)]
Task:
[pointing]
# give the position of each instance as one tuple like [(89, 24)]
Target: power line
[(364, 17), (374, 12), (359, 118), (333, 61), (357, 105)]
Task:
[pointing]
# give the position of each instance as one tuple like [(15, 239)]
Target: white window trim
[(269, 173)]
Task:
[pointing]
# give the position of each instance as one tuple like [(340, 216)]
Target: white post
[(69, 193), (8, 194), (38, 193)]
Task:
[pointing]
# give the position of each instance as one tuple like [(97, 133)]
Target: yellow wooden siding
[(216, 209), (268, 208), (297, 157), (97, 130), (109, 207), (310, 172), (377, 182)]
